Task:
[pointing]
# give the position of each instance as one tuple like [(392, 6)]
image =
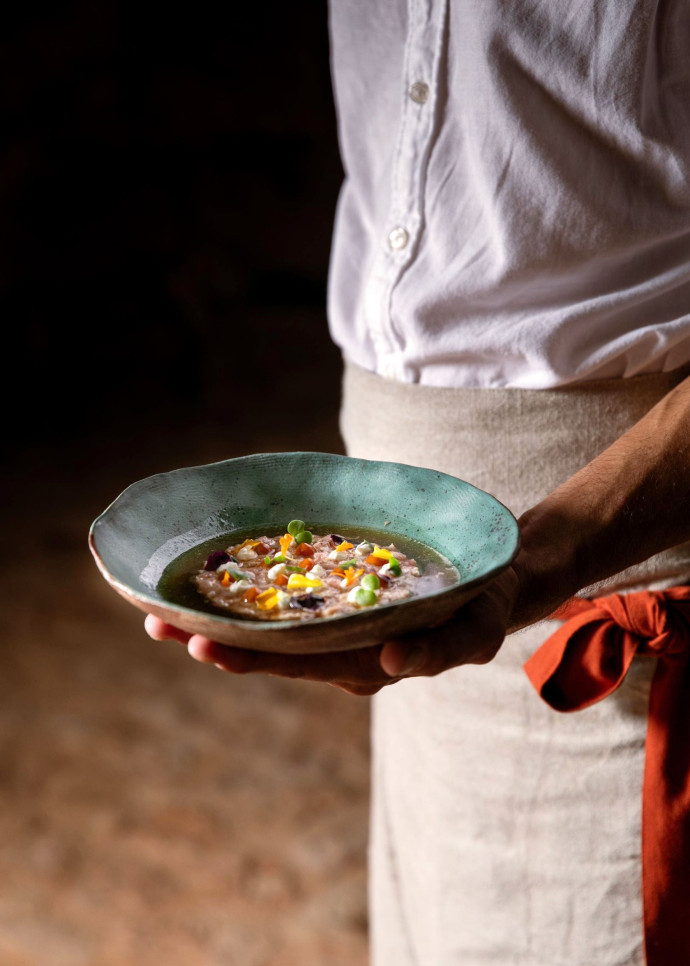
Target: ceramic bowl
[(156, 519)]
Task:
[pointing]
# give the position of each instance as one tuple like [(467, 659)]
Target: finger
[(358, 669), (234, 659), (160, 631), (472, 636)]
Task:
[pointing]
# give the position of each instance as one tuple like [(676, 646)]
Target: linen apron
[(503, 832)]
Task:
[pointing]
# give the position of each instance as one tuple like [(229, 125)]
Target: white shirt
[(516, 208)]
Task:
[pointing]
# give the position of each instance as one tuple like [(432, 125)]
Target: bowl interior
[(156, 519)]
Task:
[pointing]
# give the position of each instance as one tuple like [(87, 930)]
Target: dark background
[(168, 179)]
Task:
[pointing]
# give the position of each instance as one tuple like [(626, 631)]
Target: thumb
[(473, 635)]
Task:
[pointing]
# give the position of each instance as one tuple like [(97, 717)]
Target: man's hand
[(472, 636)]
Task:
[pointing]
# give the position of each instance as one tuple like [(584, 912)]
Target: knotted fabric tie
[(584, 661)]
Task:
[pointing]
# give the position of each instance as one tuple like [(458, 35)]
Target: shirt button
[(419, 92), (398, 238)]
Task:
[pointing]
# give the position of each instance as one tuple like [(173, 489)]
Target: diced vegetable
[(246, 553), (246, 544), (234, 572), (215, 559), (268, 599), (362, 597), (304, 550), (308, 601), (301, 582), (380, 552), (287, 575), (392, 567)]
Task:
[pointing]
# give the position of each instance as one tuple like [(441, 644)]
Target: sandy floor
[(156, 811)]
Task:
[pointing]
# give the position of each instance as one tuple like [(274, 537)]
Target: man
[(510, 287)]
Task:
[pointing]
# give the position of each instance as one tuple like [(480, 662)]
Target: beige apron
[(503, 832)]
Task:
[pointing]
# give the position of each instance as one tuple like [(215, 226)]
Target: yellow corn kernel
[(344, 546), (382, 554), (300, 582), (268, 599)]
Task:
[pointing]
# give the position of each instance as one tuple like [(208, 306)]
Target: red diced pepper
[(304, 550), (376, 561)]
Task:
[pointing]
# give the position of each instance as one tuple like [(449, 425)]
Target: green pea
[(370, 582), (395, 568), (363, 597), (303, 536), (267, 560), (279, 558), (294, 527)]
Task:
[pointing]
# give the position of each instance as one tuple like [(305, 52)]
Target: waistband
[(517, 444)]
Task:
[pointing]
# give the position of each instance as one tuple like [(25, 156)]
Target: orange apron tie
[(584, 661)]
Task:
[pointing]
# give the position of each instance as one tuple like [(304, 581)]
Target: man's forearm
[(629, 503)]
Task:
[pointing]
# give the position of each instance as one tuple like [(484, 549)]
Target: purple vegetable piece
[(309, 601), (216, 558), (336, 539)]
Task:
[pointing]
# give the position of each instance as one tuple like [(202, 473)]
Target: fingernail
[(413, 661)]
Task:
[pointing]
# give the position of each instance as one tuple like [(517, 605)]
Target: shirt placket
[(404, 223)]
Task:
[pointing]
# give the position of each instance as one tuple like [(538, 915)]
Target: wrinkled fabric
[(542, 189), (586, 660), (503, 833)]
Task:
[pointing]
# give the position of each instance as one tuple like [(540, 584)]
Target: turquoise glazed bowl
[(158, 518)]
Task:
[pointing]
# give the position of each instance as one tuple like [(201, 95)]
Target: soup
[(299, 575)]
